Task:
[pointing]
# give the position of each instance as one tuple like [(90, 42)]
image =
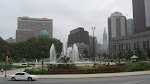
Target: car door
[(18, 76), (23, 76)]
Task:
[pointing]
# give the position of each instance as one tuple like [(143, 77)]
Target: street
[(143, 79)]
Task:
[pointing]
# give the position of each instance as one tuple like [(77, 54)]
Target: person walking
[(2, 71)]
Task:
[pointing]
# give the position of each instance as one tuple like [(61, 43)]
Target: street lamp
[(119, 58), (5, 65), (42, 60), (93, 28)]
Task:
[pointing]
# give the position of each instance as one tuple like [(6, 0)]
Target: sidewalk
[(102, 75), (82, 75), (10, 72)]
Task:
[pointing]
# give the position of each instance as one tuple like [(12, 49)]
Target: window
[(22, 73), (18, 74)]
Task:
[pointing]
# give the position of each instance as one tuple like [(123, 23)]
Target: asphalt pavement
[(142, 79)]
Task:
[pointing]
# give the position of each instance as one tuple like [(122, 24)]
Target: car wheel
[(13, 79), (29, 79)]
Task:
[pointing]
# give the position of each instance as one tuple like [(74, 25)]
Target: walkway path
[(10, 72), (83, 75)]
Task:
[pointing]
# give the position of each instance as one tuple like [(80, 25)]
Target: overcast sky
[(66, 14)]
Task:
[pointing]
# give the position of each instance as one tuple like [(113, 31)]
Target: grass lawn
[(8, 66)]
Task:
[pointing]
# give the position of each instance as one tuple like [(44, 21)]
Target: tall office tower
[(130, 26), (34, 24), (116, 25), (78, 35), (23, 34), (105, 37), (91, 45), (105, 44), (141, 15)]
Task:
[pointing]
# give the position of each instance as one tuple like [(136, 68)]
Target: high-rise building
[(23, 34), (104, 46), (105, 37), (91, 45), (78, 35), (34, 24), (116, 25), (130, 26), (141, 15)]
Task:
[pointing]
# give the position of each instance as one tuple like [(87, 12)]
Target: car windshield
[(27, 73)]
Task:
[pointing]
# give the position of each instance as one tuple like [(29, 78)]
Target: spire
[(104, 30), (105, 33)]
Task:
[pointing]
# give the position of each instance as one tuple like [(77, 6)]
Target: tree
[(128, 55), (30, 49)]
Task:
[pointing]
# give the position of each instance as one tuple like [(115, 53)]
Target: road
[(143, 79)]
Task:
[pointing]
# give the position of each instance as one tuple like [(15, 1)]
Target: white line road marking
[(129, 82)]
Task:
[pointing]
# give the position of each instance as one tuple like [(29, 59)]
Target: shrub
[(110, 69), (61, 66), (138, 69)]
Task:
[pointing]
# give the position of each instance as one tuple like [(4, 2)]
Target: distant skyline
[(66, 14)]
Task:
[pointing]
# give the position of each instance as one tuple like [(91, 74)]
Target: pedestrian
[(2, 71)]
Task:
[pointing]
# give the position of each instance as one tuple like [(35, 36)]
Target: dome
[(43, 33)]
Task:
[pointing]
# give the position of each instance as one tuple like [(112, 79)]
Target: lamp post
[(119, 58), (93, 28), (5, 65), (42, 60)]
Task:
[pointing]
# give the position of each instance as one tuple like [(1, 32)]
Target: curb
[(101, 75)]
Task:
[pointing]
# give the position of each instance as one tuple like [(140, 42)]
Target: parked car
[(22, 76)]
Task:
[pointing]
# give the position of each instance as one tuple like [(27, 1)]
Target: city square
[(75, 42)]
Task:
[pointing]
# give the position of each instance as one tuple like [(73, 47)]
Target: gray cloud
[(67, 14)]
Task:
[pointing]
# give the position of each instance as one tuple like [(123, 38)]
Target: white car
[(22, 76)]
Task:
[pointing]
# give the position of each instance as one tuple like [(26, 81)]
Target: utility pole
[(93, 28)]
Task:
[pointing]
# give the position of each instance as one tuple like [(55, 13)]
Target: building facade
[(130, 42), (116, 25), (91, 45), (23, 34), (104, 46), (82, 47), (34, 24), (141, 15), (11, 40), (130, 26), (78, 35)]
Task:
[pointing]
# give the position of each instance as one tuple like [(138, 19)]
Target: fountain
[(36, 61), (71, 52), (52, 54), (75, 54)]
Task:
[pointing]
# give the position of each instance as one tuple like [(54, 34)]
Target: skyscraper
[(78, 35), (141, 15), (104, 37), (105, 44), (116, 25), (91, 45), (130, 26), (33, 24)]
